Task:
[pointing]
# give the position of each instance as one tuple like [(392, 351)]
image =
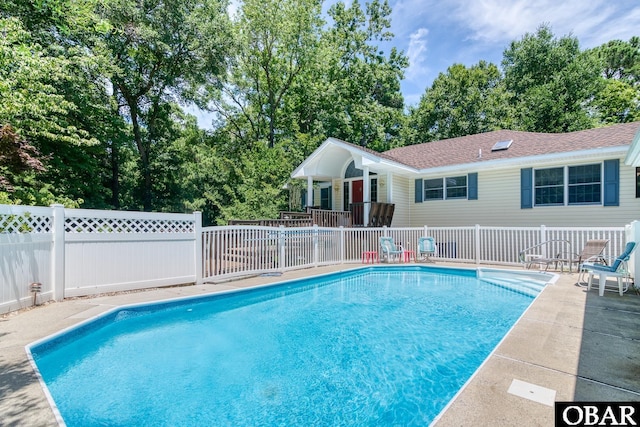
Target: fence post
[(57, 254), (197, 230), (281, 243), (315, 245), (632, 234), (543, 238), (342, 237), (425, 232), (477, 237)]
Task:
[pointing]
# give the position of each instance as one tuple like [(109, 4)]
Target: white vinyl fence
[(241, 250), (77, 252)]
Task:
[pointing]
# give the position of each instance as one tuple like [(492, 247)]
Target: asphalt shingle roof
[(466, 149)]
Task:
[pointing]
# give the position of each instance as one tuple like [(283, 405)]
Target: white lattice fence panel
[(127, 225), (24, 222)]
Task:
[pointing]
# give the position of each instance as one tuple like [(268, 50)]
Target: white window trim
[(444, 188), (565, 197)]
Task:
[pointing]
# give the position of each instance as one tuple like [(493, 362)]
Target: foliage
[(93, 96), (552, 82), (163, 52), (259, 189), (463, 101), (16, 156), (35, 103), (355, 89), (618, 100), (276, 41)]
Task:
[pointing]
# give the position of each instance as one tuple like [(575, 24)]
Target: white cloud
[(417, 54), (495, 21)]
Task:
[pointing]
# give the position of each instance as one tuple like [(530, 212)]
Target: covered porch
[(353, 181)]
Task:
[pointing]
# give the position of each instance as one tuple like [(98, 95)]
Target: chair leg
[(590, 281), (601, 282), (620, 285)]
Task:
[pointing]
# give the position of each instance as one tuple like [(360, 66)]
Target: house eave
[(633, 154), (327, 161), (338, 153), (540, 160)]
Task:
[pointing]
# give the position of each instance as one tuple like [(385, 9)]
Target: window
[(583, 185), (456, 187), (549, 187), (325, 198), (637, 182), (433, 189), (449, 188), (374, 189), (345, 196)]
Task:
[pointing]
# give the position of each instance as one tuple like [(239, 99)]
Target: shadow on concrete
[(16, 383), (609, 363)]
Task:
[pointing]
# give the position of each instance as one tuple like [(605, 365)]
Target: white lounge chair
[(618, 269)]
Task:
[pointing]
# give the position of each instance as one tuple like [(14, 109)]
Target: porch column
[(389, 187), (309, 191), (366, 194)]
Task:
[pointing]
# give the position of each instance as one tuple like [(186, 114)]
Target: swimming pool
[(368, 347)]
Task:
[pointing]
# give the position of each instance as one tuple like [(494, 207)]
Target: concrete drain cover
[(533, 392)]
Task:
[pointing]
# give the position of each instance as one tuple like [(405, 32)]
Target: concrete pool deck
[(570, 345)]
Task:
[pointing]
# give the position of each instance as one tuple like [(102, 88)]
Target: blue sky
[(435, 34)]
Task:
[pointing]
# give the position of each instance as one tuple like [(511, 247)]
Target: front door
[(357, 207)]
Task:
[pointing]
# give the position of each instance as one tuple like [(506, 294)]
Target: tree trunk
[(115, 175), (144, 158)]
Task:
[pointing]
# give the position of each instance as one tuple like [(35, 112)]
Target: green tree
[(463, 101), (34, 102), (276, 42), (163, 52), (551, 81), (618, 100), (620, 60), (354, 91)]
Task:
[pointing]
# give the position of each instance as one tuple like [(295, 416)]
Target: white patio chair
[(618, 269), (389, 250)]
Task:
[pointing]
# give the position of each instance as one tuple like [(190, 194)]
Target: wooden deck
[(380, 214)]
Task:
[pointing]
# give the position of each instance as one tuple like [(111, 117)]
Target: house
[(504, 177)]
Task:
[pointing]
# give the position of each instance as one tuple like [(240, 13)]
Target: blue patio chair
[(426, 248), (618, 269), (389, 251)]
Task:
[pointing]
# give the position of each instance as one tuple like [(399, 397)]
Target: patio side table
[(369, 257), (407, 254)]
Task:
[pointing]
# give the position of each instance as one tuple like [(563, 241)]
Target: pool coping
[(481, 400)]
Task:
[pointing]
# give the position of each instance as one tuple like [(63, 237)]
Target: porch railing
[(327, 218), (320, 217)]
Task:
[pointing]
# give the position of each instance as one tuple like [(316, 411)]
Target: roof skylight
[(502, 145)]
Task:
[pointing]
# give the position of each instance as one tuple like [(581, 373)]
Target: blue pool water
[(370, 347)]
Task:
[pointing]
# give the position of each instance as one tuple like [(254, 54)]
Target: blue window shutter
[(526, 188), (612, 182), (472, 186), (419, 194)]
